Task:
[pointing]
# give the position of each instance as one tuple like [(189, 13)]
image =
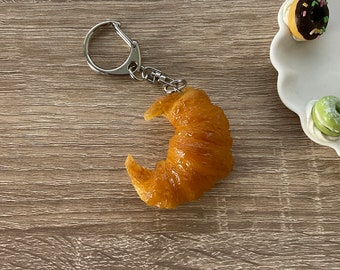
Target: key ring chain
[(199, 152), (133, 64)]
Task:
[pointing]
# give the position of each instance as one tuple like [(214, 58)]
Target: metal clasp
[(154, 75), (134, 57), (133, 64)]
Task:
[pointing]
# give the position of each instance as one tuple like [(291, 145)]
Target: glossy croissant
[(199, 152)]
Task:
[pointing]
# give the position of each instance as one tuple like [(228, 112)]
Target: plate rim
[(282, 75)]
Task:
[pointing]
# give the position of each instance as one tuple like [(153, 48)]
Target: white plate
[(308, 70)]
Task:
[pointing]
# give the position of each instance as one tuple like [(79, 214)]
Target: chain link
[(153, 75)]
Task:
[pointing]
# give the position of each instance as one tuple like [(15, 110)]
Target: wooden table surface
[(65, 131)]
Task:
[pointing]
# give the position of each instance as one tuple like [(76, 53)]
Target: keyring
[(133, 63), (199, 153), (134, 58)]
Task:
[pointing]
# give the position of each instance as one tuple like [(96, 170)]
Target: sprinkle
[(325, 19), (305, 4), (315, 3), (313, 31), (322, 3), (317, 31), (304, 13)]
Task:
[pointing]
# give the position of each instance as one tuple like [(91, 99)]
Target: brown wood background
[(66, 201)]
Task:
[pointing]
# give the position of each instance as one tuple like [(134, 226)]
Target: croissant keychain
[(199, 152)]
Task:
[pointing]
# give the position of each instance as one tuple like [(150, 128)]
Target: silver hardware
[(134, 56), (154, 75), (133, 64)]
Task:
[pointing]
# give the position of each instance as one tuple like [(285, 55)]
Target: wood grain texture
[(66, 201)]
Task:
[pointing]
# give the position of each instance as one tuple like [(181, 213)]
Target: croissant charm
[(199, 152)]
